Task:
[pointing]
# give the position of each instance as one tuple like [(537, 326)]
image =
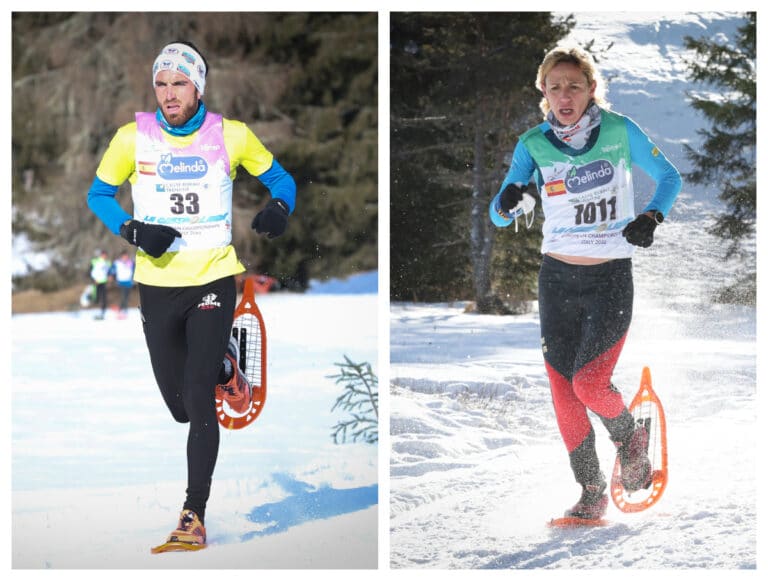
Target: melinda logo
[(593, 175), (181, 168)]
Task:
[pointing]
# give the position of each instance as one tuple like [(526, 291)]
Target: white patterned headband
[(181, 58)]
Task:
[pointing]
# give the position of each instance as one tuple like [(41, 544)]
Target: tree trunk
[(481, 240)]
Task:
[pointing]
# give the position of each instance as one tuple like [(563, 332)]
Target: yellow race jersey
[(186, 267)]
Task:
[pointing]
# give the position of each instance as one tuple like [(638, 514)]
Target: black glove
[(154, 239), (511, 196), (273, 219), (640, 231)]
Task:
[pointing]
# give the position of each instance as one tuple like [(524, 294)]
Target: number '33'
[(192, 205)]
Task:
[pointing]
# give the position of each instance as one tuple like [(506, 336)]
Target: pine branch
[(360, 399)]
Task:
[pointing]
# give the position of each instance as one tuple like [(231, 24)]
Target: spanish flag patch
[(555, 188), (146, 168)]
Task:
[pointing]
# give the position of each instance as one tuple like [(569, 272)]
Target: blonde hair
[(581, 59)]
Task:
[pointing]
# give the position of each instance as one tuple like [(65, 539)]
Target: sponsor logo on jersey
[(180, 186), (209, 302), (555, 188), (180, 220), (587, 177), (181, 168)]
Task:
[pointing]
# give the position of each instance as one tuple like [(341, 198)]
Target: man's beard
[(182, 115)]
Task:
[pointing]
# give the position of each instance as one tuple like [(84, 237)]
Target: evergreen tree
[(727, 156), (461, 91)]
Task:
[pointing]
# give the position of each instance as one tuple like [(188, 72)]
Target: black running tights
[(187, 330)]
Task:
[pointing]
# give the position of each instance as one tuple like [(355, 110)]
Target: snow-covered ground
[(98, 464), (477, 464)]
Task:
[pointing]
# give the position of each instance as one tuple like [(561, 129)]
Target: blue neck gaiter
[(192, 124)]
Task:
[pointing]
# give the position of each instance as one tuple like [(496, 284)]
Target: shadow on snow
[(561, 547), (307, 503)]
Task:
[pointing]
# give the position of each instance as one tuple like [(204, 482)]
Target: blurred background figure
[(99, 273), (122, 271)]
